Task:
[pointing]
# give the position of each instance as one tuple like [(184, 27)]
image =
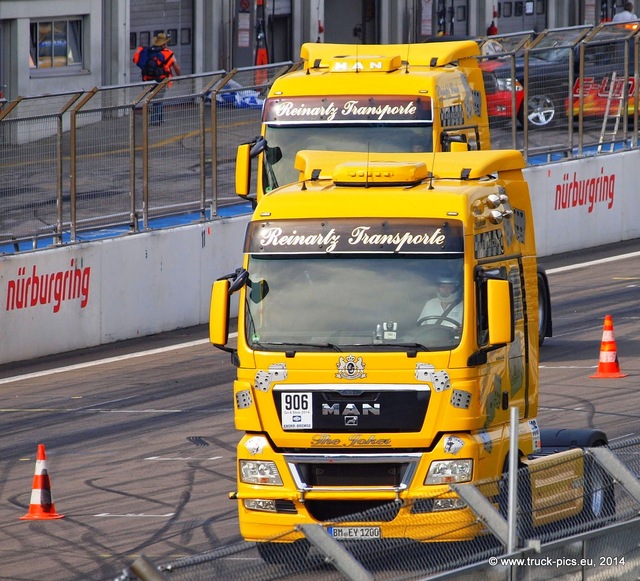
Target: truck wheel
[(544, 315), (283, 553)]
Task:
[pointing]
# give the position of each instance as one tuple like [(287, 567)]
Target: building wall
[(19, 77), (207, 32)]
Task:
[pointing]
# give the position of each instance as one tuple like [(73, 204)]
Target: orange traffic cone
[(41, 506), (608, 365)]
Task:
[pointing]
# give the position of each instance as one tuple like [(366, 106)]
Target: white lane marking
[(592, 262), (624, 437), (184, 458), (567, 366), (138, 515), (46, 372)]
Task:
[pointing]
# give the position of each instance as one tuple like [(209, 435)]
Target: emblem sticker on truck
[(264, 379), (535, 433), (297, 410), (350, 368), (453, 444)]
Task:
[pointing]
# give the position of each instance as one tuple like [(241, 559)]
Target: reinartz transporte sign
[(348, 235), (347, 109)]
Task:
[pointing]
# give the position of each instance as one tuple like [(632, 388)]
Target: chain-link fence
[(577, 514)]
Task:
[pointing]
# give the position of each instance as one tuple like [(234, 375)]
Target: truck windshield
[(341, 302), (371, 137)]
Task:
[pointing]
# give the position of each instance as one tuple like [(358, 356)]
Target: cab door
[(506, 375)]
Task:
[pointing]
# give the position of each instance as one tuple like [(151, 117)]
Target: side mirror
[(458, 146), (500, 311), (454, 142), (219, 313), (243, 170)]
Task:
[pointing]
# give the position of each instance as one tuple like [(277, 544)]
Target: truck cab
[(397, 98), (350, 397)]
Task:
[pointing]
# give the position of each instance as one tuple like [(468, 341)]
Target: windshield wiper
[(418, 346), (412, 348), (332, 346)]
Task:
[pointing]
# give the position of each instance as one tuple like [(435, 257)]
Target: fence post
[(145, 570), (336, 553)]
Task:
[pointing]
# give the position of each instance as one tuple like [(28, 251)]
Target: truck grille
[(337, 474), (362, 409), (353, 511), (349, 475)]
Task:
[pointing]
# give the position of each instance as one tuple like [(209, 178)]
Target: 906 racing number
[(297, 410)]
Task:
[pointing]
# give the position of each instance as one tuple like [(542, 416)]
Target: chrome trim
[(293, 460), (351, 387)]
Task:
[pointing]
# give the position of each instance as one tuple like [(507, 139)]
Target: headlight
[(509, 84), (449, 471), (253, 472)]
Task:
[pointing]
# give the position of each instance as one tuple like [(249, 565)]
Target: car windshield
[(352, 301), (364, 137), (554, 55)]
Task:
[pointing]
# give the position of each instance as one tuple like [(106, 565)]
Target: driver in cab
[(446, 307)]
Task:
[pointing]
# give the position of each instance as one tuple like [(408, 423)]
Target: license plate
[(355, 533)]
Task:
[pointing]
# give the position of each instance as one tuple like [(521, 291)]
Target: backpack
[(151, 62)]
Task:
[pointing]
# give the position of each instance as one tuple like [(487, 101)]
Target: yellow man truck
[(361, 382), (373, 98)]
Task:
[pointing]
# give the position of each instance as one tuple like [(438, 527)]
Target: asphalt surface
[(140, 438)]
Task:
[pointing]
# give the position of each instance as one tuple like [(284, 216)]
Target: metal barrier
[(120, 157), (599, 541), (596, 538), (561, 82)]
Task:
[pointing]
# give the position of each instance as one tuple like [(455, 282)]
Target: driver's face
[(447, 288)]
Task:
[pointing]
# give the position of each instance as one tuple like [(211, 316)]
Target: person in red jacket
[(157, 63)]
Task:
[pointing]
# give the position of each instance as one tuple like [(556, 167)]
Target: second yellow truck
[(373, 98)]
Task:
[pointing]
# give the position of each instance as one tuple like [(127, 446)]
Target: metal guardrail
[(600, 542), (74, 162), (564, 77), (116, 158)]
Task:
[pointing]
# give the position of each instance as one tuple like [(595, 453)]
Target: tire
[(541, 112), (283, 553), (544, 309)]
